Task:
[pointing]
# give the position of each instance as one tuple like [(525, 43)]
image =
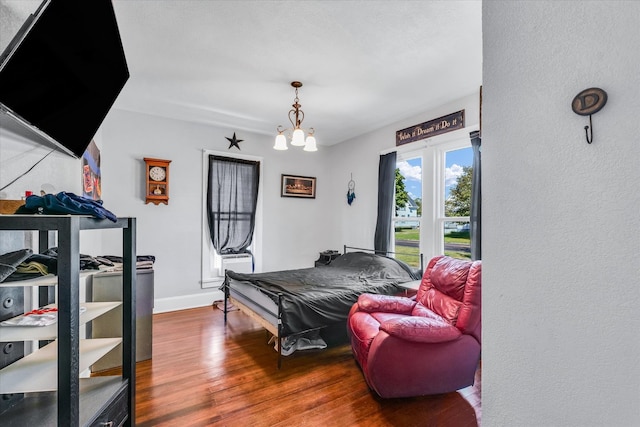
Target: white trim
[(433, 151), (454, 219), (184, 302), (214, 282), (210, 262), (438, 197)]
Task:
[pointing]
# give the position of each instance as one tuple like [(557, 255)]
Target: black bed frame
[(278, 296)]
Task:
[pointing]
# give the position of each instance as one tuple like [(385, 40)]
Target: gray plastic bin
[(108, 287)]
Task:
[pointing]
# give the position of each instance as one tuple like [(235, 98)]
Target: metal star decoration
[(233, 142)]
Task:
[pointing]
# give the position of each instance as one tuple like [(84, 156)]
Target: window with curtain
[(232, 196)]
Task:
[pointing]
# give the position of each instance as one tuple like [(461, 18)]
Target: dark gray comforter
[(322, 296)]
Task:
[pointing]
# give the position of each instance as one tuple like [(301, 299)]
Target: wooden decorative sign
[(431, 128)]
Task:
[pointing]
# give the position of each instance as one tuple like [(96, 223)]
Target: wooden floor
[(205, 374)]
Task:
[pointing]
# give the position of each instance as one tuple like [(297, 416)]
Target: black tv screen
[(63, 71)]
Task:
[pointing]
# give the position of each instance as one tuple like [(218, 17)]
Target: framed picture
[(298, 186), (91, 176)]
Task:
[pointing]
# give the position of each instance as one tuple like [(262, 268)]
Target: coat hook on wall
[(588, 131), (587, 103)]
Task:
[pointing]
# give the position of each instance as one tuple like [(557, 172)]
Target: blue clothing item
[(66, 203)]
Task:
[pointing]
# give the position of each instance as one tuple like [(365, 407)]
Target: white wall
[(561, 266), (560, 227), (294, 230), (360, 156), (18, 154)]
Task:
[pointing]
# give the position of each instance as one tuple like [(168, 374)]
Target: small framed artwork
[(298, 186), (91, 177)]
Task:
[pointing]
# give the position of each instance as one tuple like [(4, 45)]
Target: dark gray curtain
[(232, 197), (386, 203), (475, 225)]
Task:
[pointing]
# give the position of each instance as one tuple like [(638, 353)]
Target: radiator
[(241, 263)]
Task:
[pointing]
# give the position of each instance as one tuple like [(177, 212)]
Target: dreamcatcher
[(350, 192)]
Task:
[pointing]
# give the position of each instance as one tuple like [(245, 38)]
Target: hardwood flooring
[(205, 374)]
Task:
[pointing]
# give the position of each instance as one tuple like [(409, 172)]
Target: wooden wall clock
[(157, 181)]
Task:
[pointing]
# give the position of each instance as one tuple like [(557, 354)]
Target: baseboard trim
[(184, 302)]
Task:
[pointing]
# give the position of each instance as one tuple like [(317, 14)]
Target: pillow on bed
[(368, 261)]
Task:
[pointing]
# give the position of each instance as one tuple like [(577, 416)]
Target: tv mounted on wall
[(62, 72)]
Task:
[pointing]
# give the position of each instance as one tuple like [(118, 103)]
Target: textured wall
[(294, 230), (561, 282), (360, 156)]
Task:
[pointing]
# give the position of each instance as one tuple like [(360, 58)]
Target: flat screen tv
[(62, 72)]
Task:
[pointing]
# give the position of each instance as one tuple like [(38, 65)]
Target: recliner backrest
[(450, 287)]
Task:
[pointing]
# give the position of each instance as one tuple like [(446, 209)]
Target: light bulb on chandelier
[(296, 116)]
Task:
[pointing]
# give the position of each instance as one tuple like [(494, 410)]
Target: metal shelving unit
[(50, 376)]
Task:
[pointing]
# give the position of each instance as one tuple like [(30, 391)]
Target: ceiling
[(363, 64)]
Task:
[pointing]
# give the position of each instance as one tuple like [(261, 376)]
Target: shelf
[(50, 332), (48, 380), (58, 222), (40, 409), (52, 279), (39, 370), (8, 207)]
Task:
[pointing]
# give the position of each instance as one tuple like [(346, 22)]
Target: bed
[(294, 303)]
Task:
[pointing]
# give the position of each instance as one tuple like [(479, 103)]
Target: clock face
[(157, 173)]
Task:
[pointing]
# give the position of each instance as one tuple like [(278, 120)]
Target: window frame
[(210, 260), (400, 157), (431, 222), (441, 219)]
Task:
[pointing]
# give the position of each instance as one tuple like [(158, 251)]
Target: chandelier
[(296, 116)]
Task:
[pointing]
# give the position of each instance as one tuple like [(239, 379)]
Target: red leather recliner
[(429, 344)]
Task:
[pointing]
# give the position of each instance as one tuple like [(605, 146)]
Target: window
[(408, 209), (438, 180), (232, 197), (235, 221), (457, 202)]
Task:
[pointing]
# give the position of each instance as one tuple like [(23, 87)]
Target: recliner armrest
[(421, 329), (374, 303)]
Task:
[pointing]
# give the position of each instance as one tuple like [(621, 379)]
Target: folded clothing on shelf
[(142, 261), (10, 261), (36, 265)]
